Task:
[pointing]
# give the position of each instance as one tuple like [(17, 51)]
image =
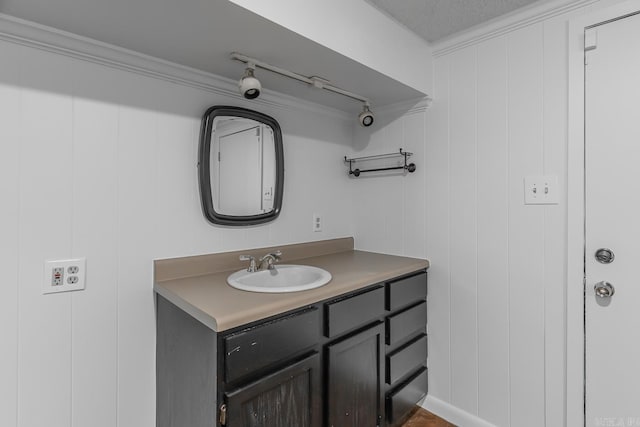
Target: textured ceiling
[(436, 19)]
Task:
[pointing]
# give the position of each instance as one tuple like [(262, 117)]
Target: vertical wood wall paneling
[(94, 236), (463, 231), (414, 188), (10, 137), (535, 76), (101, 163), (389, 207), (493, 233), (177, 182), (373, 208), (44, 374), (137, 237), (330, 198), (555, 249), (438, 225), (191, 234), (526, 228), (395, 209)]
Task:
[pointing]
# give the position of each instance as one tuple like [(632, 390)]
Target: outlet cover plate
[(64, 275), (317, 222)]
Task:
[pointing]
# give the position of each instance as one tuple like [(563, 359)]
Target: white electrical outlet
[(64, 275), (57, 276), (317, 222)]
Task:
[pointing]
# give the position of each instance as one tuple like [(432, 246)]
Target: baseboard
[(452, 414)]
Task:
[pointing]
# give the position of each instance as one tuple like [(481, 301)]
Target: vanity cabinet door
[(354, 373), (286, 398)]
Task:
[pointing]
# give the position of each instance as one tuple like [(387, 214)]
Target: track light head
[(366, 117), (249, 86)]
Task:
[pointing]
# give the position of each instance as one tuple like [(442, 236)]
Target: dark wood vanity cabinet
[(272, 373), (287, 397), (357, 360), (355, 366), (406, 339)]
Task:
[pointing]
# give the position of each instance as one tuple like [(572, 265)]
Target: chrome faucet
[(270, 258), (252, 265)]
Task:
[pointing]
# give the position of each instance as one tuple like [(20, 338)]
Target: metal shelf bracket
[(409, 167)]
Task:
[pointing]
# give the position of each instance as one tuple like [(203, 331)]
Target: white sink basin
[(282, 278)]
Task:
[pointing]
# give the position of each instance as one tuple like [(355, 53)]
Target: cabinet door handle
[(223, 415)]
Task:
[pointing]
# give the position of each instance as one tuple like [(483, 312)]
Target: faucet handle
[(252, 264), (269, 258), (275, 256)]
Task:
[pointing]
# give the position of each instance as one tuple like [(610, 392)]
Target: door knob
[(604, 289), (605, 256)]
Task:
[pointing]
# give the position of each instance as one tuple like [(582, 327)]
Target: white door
[(240, 169), (612, 149)]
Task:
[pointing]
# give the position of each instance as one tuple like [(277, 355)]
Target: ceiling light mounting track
[(251, 88)]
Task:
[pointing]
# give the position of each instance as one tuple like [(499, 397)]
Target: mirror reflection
[(243, 162), (241, 167)]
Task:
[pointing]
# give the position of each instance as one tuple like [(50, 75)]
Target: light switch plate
[(541, 190), (64, 275)]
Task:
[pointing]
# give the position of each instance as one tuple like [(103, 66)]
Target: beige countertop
[(208, 298)]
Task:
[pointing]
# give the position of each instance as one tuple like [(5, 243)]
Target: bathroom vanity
[(351, 353)]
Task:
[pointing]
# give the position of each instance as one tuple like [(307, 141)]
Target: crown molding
[(34, 35), (538, 12)]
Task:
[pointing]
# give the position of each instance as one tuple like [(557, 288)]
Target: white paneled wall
[(10, 137), (496, 296), (493, 232), (389, 207), (100, 162)]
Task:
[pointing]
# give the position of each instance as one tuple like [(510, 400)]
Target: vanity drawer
[(404, 398), (405, 291), (406, 359), (258, 347), (349, 313), (405, 323)]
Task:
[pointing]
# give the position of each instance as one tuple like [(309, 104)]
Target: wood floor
[(423, 418)]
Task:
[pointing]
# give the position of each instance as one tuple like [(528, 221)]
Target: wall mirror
[(240, 166)]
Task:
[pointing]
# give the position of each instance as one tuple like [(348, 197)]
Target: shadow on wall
[(148, 92), (384, 117), (82, 79)]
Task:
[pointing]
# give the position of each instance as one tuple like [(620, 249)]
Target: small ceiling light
[(366, 117), (249, 86)]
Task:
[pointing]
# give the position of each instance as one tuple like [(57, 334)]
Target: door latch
[(604, 289)]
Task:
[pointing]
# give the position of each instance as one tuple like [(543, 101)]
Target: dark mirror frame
[(204, 168)]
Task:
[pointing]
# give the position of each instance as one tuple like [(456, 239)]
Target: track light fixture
[(366, 117), (251, 88)]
